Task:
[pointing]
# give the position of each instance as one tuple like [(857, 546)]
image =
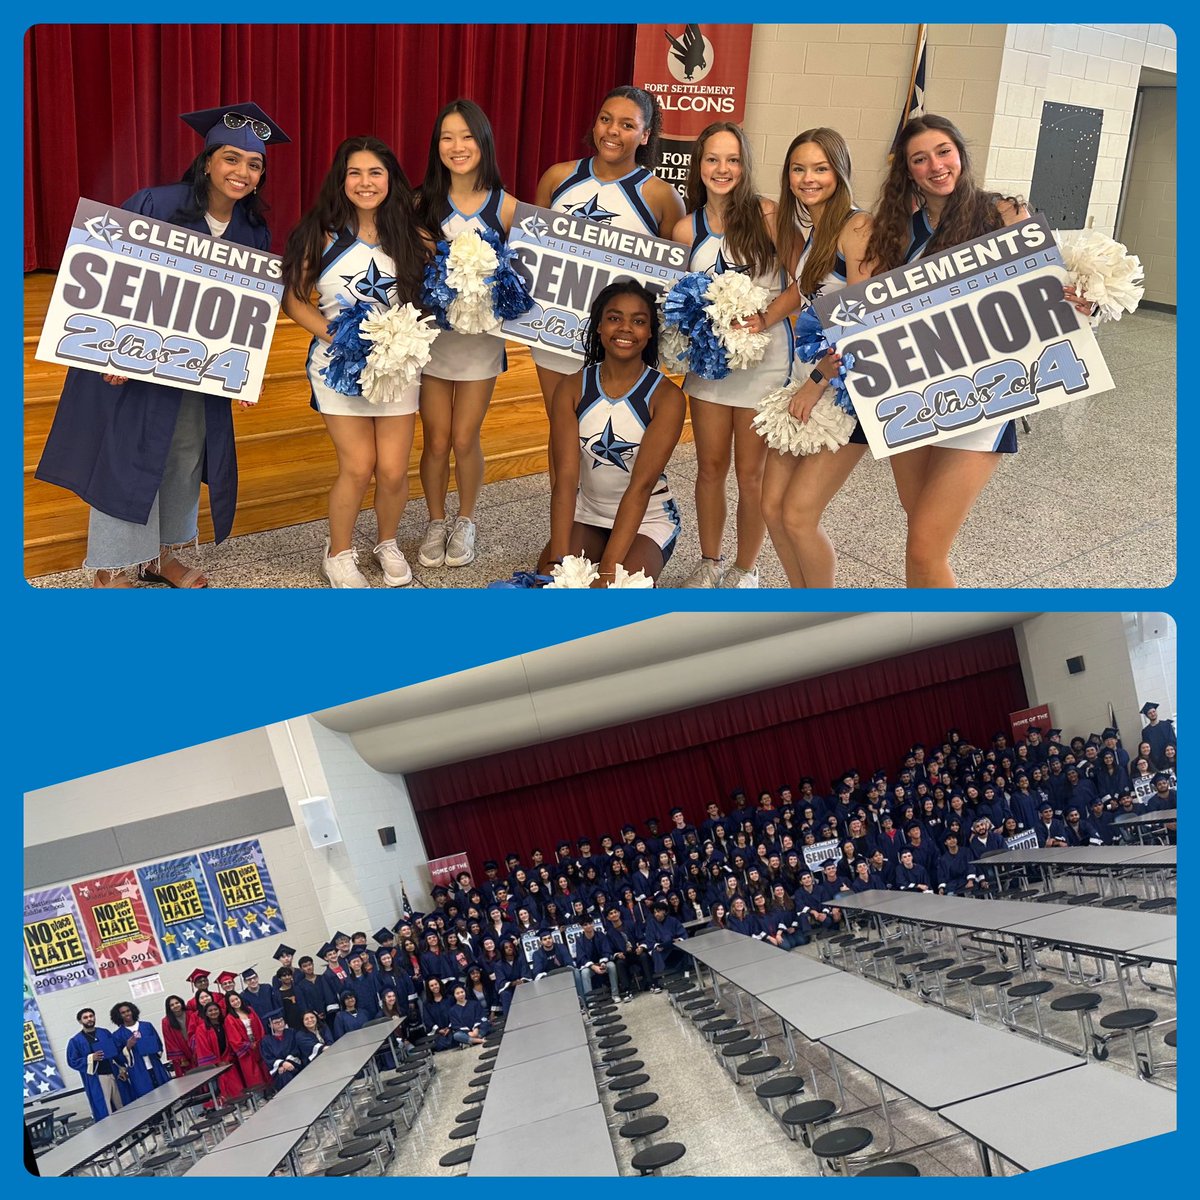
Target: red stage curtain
[(102, 102), (593, 783)]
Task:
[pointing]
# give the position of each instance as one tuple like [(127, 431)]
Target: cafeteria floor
[(724, 1127)]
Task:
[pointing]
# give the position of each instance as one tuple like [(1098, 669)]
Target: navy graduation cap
[(244, 126)]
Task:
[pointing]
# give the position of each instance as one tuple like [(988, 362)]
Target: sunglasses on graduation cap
[(261, 129)]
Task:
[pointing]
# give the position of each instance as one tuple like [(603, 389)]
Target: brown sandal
[(111, 579), (186, 580)]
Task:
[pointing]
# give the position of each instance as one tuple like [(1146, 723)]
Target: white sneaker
[(735, 577), (460, 545), (396, 571), (342, 569), (433, 545), (706, 575)]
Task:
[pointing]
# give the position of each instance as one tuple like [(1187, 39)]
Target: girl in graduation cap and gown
[(137, 451), (175, 1036), (211, 1044), (244, 1029)]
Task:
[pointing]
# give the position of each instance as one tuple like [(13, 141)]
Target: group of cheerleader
[(613, 425)]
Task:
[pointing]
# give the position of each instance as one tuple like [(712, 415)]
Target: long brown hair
[(969, 210), (399, 233), (791, 215), (746, 235)]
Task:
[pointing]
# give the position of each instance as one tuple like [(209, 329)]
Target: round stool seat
[(601, 1008), (991, 978), (966, 971), (934, 964), (1119, 902), (373, 1127), (746, 1046), (484, 1068), (888, 952), (612, 1031), (349, 1166), (186, 1139), (692, 993), (154, 1161), (397, 1087), (385, 1108), (611, 1043), (628, 1082), (809, 1112), (208, 1122), (617, 1055), (1171, 1039), (1129, 1018), (1077, 1002), (1157, 902), (600, 1022), (643, 1126), (1084, 898), (1035, 987), (654, 1158), (488, 1055), (481, 1080), (720, 1025), (843, 939), (492, 1039), (837, 1143), (890, 1168), (624, 1068), (914, 956), (758, 1066), (363, 1145), (464, 1131), (1053, 897), (703, 1015), (457, 1156), (730, 1035), (692, 1005), (781, 1085), (636, 1102), (679, 985), (475, 1097), (468, 1114)]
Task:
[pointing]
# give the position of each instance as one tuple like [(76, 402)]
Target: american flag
[(915, 101)]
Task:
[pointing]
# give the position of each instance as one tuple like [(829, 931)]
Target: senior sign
[(962, 340), (139, 297), (567, 260)]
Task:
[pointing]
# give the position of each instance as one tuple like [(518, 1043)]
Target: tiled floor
[(1088, 502)]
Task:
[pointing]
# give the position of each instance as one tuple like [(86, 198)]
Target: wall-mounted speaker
[(387, 836), (320, 821), (1153, 626), (1075, 665)]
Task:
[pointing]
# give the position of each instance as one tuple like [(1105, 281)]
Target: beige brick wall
[(1148, 223)]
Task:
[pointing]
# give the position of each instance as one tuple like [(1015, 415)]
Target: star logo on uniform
[(372, 284), (609, 448), (104, 229), (592, 210)]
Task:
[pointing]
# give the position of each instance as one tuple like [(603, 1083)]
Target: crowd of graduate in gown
[(135, 450), (614, 912)]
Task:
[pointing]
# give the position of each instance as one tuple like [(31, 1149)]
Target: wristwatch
[(816, 376)]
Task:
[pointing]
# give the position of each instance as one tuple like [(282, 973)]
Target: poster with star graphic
[(56, 952), (181, 910), (247, 905), (567, 259), (141, 298), (42, 1077), (117, 923)]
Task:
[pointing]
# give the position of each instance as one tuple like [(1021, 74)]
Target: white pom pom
[(672, 349), (827, 428), (1104, 272), (468, 264), (732, 297), (400, 340), (575, 571), (623, 579)]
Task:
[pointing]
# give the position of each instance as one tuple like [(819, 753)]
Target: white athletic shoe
[(706, 575), (396, 571), (460, 545), (433, 545), (342, 569), (735, 577)]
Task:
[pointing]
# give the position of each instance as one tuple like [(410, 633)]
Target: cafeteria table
[(573, 1143), (523, 1095)]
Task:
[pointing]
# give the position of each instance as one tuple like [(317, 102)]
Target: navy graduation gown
[(287, 1049), (264, 1001), (109, 444)]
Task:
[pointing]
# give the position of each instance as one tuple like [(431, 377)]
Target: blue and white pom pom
[(577, 571), (698, 317), (347, 353), (471, 286), (1103, 271), (377, 354), (831, 421)]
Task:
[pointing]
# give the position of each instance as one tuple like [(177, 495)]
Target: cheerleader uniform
[(1000, 439), (462, 357), (352, 270), (741, 388), (610, 436), (616, 202)]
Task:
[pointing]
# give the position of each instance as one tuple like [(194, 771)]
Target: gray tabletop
[(372, 1036), (538, 1041), (573, 1143), (938, 1058), (547, 986), (97, 1138), (1013, 1122), (292, 1110), (715, 937), (960, 912), (777, 971), (533, 1010), (1163, 951), (1164, 856), (253, 1158), (833, 1003), (735, 954), (1146, 818), (534, 1091), (864, 901), (1113, 931), (1072, 856)]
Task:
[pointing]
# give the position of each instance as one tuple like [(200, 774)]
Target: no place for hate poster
[(56, 951), (241, 887), (181, 909), (962, 340), (118, 926)]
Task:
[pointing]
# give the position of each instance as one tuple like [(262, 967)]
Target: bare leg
[(471, 400), (548, 380), (712, 428), (749, 461), (953, 482), (585, 539), (814, 484), (354, 440), (393, 449), (437, 399), (777, 475)]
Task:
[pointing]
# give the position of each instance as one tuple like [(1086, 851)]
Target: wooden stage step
[(286, 461)]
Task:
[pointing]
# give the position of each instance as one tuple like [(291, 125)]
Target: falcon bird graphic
[(688, 49)]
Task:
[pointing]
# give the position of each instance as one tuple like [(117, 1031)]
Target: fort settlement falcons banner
[(566, 261), (139, 297), (966, 339)]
